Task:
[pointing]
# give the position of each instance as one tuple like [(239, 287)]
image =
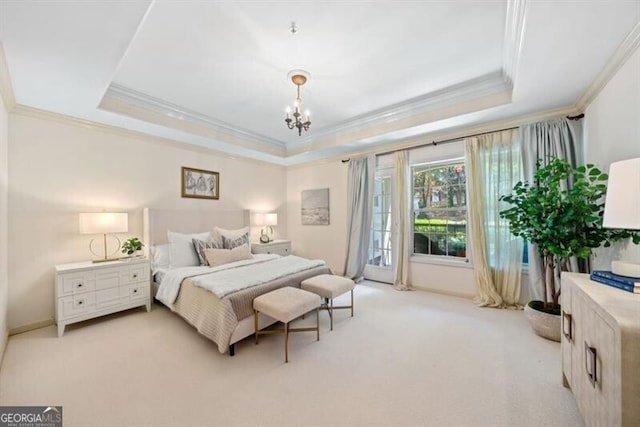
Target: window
[(440, 209), (380, 244)]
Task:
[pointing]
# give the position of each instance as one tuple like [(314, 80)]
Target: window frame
[(445, 259)]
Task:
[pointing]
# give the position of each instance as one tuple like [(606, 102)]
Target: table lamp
[(103, 223), (622, 206)]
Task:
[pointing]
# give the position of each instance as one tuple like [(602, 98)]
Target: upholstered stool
[(329, 286), (286, 304)]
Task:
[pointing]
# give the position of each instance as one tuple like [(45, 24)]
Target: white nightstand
[(85, 290), (278, 247)]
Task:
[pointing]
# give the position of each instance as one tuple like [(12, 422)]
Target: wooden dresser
[(601, 350)]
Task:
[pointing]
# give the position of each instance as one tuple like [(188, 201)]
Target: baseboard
[(442, 292), (31, 327)]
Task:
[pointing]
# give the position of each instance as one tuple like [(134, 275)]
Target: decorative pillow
[(224, 256), (182, 253), (230, 243), (201, 245), (230, 234)]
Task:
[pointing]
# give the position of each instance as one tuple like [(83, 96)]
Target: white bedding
[(223, 283), (170, 285)]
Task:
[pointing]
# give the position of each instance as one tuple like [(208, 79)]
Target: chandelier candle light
[(299, 78)]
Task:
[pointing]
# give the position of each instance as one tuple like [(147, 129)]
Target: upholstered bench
[(286, 304), (329, 286)]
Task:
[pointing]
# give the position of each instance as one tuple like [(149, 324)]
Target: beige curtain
[(401, 216), (494, 165)]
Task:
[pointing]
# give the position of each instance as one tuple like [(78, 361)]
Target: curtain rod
[(446, 141)]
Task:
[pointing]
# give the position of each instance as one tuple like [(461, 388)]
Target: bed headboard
[(156, 222)]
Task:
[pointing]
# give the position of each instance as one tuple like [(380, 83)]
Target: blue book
[(631, 281), (615, 284)]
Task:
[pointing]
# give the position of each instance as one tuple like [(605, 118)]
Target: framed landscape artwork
[(200, 184), (315, 207)]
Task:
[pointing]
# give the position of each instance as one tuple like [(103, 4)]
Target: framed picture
[(315, 207), (200, 184)]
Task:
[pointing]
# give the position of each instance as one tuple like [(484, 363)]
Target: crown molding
[(626, 49), (6, 88), (37, 113), (412, 112), (512, 45), (451, 133), (196, 122)]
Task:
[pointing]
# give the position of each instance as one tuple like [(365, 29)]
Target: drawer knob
[(79, 285), (81, 302), (135, 291), (135, 275)]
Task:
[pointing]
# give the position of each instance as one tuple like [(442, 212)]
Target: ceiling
[(214, 73)]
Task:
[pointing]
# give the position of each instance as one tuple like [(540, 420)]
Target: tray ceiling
[(214, 74)]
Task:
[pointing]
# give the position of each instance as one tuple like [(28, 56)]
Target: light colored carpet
[(405, 359)]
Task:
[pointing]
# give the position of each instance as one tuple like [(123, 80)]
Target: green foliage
[(563, 222), (132, 246)]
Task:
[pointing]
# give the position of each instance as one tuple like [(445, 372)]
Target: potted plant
[(132, 246), (563, 223)]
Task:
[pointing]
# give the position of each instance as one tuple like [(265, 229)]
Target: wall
[(59, 168), (329, 242), (326, 242), (612, 123), (4, 277)]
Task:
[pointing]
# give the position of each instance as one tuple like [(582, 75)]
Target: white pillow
[(224, 256), (231, 234), (160, 257), (182, 253)]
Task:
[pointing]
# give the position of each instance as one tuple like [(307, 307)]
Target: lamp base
[(95, 261), (627, 269)]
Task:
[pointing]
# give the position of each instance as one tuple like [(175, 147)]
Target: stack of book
[(629, 284)]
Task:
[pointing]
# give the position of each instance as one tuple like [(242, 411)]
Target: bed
[(224, 319)]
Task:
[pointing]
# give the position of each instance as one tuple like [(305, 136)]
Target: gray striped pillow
[(235, 242), (201, 245)]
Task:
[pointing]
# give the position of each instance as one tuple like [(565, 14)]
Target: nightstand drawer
[(75, 283), (108, 297), (134, 292), (278, 247), (138, 273), (76, 305), (108, 278)]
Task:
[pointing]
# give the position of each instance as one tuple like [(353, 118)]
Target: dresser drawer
[(74, 283), (134, 292), (136, 273), (76, 305), (109, 278), (107, 297)]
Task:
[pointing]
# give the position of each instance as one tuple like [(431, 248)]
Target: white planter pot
[(544, 324)]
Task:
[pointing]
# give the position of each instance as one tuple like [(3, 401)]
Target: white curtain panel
[(403, 224), (494, 165), (556, 138), (360, 186)]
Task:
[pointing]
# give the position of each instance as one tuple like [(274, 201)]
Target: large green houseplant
[(562, 222)]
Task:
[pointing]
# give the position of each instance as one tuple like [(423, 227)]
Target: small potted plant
[(132, 246)]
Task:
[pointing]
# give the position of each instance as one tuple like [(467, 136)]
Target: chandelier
[(299, 78)]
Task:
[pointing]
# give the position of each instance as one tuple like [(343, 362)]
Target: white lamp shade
[(258, 219), (271, 219), (622, 204), (103, 223)]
